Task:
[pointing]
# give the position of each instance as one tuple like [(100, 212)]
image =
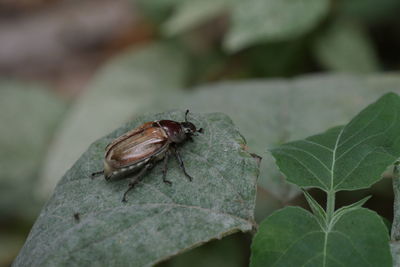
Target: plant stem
[(330, 205)]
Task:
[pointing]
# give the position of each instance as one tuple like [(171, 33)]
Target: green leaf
[(345, 47), (29, 114), (159, 220), (349, 157), (293, 237), (345, 209), (190, 14), (118, 92), (256, 21), (318, 211)]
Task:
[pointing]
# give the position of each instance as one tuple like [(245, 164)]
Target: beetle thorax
[(173, 130)]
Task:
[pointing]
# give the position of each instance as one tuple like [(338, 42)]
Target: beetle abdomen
[(116, 173), (134, 151)]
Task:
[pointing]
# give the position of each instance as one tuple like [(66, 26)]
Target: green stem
[(330, 206)]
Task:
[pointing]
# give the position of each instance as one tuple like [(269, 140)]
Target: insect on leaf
[(159, 220)]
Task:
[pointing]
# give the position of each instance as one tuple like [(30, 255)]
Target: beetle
[(139, 149)]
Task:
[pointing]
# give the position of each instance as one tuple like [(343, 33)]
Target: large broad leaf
[(159, 220), (255, 21), (293, 237), (349, 157), (29, 114), (344, 46), (119, 91)]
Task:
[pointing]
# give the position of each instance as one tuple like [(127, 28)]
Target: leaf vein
[(363, 128), (312, 173), (353, 245), (371, 136), (355, 168), (334, 156), (308, 153), (317, 144), (295, 242)]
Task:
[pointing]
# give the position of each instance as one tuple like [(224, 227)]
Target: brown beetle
[(138, 150)]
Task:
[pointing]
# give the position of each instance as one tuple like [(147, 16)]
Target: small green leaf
[(293, 237), (349, 157), (318, 211), (345, 47), (159, 220), (256, 21)]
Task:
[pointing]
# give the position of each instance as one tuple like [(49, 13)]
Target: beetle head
[(188, 127)]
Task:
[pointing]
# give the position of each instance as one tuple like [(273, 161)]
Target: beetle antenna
[(186, 114)]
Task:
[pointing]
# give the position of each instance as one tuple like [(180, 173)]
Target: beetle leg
[(180, 161), (95, 174), (186, 113), (135, 180), (165, 169)]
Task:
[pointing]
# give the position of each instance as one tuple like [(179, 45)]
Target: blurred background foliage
[(72, 71)]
